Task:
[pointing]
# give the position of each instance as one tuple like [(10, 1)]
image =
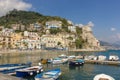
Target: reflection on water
[(28, 57), (35, 57)]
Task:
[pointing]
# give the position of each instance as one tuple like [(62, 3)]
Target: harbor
[(87, 71)]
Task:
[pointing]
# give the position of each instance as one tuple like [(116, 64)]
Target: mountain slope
[(27, 17)]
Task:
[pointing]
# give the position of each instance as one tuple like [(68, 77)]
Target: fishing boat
[(49, 75), (44, 61), (76, 62), (30, 71), (10, 68), (103, 77), (101, 58), (63, 57), (113, 58), (90, 57), (71, 57), (49, 60), (59, 61)]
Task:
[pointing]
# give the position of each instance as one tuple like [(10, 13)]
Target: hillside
[(75, 38), (27, 17)]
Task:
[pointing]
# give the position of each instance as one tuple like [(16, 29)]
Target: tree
[(54, 30), (78, 43), (70, 38), (59, 43), (79, 31)]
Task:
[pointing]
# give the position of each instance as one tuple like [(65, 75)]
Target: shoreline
[(26, 51), (86, 50)]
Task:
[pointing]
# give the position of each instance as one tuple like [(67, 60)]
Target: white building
[(53, 24), (31, 40), (72, 28), (34, 44)]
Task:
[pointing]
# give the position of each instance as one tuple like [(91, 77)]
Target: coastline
[(86, 50), (35, 51)]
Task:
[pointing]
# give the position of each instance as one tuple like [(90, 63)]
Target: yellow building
[(16, 39), (54, 41)]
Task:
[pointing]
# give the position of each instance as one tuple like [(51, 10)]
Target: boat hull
[(10, 68), (30, 71), (26, 74), (78, 62), (103, 77), (49, 75)]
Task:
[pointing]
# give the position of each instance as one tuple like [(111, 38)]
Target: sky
[(104, 14)]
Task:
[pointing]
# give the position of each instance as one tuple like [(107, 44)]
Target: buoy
[(41, 70), (31, 73), (39, 64), (37, 71)]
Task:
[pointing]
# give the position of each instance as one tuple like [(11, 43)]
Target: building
[(54, 41), (72, 28), (53, 24), (15, 26), (34, 27), (5, 39), (15, 40), (31, 40)]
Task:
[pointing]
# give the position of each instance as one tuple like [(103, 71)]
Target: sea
[(85, 72)]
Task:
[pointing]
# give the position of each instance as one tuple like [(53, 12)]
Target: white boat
[(60, 59), (57, 61), (103, 77), (63, 57), (113, 58), (71, 57), (91, 57), (101, 58)]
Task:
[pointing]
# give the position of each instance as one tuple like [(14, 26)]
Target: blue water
[(87, 71)]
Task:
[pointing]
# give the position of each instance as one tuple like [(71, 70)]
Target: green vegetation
[(78, 31), (54, 30), (78, 43), (70, 38), (27, 17), (59, 43), (21, 17), (17, 31)]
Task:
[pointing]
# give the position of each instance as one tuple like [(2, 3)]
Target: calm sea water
[(86, 72)]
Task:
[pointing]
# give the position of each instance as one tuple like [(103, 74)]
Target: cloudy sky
[(105, 14)]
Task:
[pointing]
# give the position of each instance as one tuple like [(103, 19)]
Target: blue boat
[(59, 60), (76, 62), (49, 75), (10, 68), (30, 71)]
